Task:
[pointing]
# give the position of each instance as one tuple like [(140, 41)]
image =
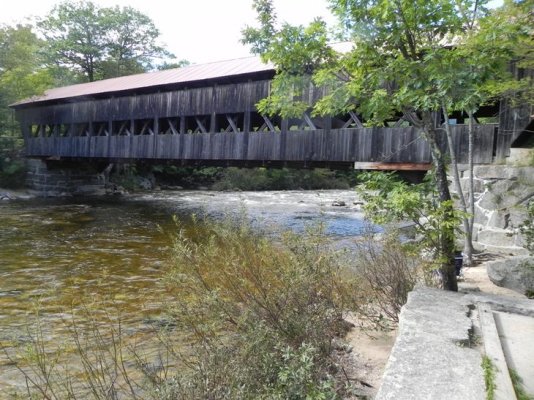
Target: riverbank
[(12, 194)]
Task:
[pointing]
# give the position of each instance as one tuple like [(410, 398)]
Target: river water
[(56, 256)]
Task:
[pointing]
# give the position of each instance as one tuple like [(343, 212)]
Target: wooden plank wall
[(399, 145), (396, 145)]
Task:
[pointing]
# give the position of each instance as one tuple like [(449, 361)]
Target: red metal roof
[(190, 73)]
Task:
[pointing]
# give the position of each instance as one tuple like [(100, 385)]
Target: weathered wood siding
[(337, 145), (220, 122), (187, 102)]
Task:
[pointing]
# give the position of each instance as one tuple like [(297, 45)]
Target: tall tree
[(100, 42), (22, 71), (395, 66)]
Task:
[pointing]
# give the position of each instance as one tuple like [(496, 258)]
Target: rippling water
[(58, 255)]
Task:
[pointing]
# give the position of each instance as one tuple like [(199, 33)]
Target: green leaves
[(390, 200), (101, 42)]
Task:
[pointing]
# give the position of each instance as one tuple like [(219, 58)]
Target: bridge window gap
[(263, 123), (33, 129), (230, 122), (169, 126), (197, 124), (100, 128)]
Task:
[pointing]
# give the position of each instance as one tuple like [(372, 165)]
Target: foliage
[(408, 57), (261, 317), (12, 167), (232, 178), (527, 228), (390, 200), (488, 370), (100, 42), (282, 179), (517, 382), (22, 71), (389, 270)]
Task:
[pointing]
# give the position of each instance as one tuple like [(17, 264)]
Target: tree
[(100, 42), (22, 71), (394, 67)]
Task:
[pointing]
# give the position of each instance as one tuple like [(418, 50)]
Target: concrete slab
[(431, 358), (516, 334), (504, 389)]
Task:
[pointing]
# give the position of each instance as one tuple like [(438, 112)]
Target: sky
[(199, 31)]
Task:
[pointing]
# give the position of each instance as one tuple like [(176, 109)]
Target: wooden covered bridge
[(206, 114)]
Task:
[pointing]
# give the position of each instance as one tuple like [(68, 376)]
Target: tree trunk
[(471, 134), (446, 236), (468, 228)]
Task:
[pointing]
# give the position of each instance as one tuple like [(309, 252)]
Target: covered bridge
[(207, 114)]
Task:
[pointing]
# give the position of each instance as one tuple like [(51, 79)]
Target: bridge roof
[(191, 73)]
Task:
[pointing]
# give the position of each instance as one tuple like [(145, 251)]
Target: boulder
[(339, 203), (515, 273)]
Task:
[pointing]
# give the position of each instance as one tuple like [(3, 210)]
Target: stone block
[(499, 219), (496, 238), (505, 194), (502, 172), (478, 185), (516, 273), (518, 215), (428, 360), (481, 216)]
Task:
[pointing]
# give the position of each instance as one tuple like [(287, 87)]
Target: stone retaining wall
[(53, 180), (501, 195)]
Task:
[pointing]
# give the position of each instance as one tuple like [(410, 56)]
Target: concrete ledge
[(431, 358)]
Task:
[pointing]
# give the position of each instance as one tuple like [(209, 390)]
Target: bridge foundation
[(49, 178)]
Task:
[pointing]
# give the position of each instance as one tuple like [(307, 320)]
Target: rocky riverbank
[(9, 194)]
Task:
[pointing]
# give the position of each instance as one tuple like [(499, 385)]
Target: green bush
[(260, 317), (283, 179), (12, 166), (527, 228)]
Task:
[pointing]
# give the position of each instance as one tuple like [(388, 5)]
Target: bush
[(12, 166), (283, 179), (527, 228), (389, 270), (261, 318)]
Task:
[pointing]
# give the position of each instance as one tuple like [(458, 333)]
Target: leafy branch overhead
[(405, 55), (419, 59)]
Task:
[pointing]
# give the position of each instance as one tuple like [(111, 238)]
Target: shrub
[(260, 317), (389, 270), (12, 166), (527, 228)]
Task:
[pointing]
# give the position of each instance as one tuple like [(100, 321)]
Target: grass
[(489, 377), (517, 382)]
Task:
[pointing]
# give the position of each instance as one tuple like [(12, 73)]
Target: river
[(58, 255)]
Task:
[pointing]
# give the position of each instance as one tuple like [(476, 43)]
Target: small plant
[(388, 271), (527, 228), (517, 382), (489, 377)]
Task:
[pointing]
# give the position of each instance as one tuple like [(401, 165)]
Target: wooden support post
[(156, 125), (213, 122), (181, 129), (328, 137), (283, 137)]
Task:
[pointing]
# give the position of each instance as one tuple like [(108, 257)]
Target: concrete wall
[(501, 195)]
